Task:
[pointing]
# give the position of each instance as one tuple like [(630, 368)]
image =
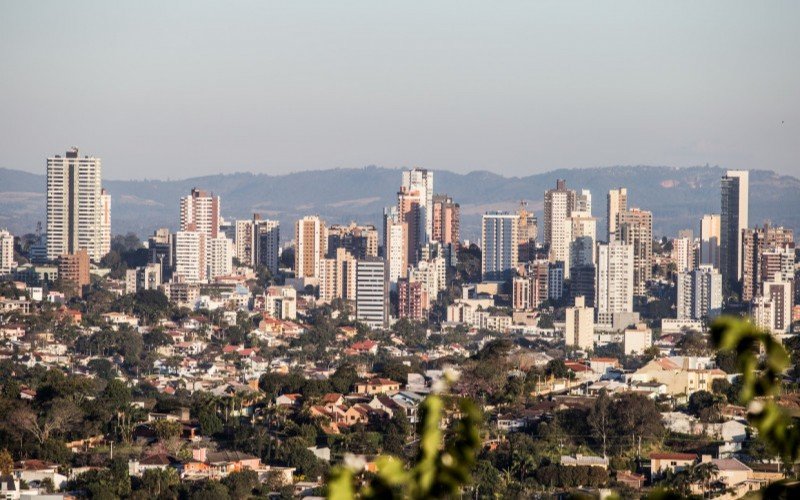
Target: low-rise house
[(356, 414), (584, 460), (117, 318), (601, 365), (728, 431), (409, 402), (364, 347), (37, 471), (377, 386), (631, 479), (158, 461), (660, 463), (731, 471), (679, 379), (289, 400), (224, 462), (382, 402), (21, 305), (510, 423), (12, 331), (332, 399)]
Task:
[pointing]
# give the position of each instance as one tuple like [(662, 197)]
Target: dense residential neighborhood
[(223, 361)]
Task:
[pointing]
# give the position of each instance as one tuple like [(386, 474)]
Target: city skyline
[(513, 89), (267, 326)]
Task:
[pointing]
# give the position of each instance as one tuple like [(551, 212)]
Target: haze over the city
[(180, 89)]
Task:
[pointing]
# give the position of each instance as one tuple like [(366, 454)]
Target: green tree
[(48, 486), (557, 368), (600, 419), (545, 321), (396, 433), (344, 378), (210, 423), (167, 429), (636, 417), (726, 361), (151, 305), (102, 367), (762, 380), (6, 462), (413, 333), (209, 490), (440, 469), (116, 396), (487, 480), (157, 481), (241, 484)]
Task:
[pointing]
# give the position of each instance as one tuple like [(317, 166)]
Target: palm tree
[(704, 473)]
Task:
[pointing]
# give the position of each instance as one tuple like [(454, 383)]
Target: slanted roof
[(730, 464), (228, 456), (159, 459)]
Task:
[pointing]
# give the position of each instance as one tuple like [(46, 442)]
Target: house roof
[(673, 456), (576, 366), (603, 360), (381, 381), (365, 345), (158, 459), (34, 464), (730, 464), (331, 397), (228, 456)]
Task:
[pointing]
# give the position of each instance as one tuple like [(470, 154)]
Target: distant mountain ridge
[(678, 196)]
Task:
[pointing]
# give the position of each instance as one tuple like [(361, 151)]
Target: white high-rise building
[(267, 243), (243, 239), (773, 310), (220, 257), (683, 254), (579, 325), (394, 252), (635, 227), (74, 206), (7, 263), (685, 295), (337, 278), (558, 206), (421, 180), (372, 292), (583, 235), (707, 293), (709, 240), (555, 280), (191, 257), (499, 245), (583, 201), (581, 251), (105, 222), (699, 293), (431, 273), (200, 212), (733, 220), (312, 245), (763, 313), (617, 202), (614, 280)]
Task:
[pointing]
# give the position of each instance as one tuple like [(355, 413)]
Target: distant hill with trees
[(677, 196)]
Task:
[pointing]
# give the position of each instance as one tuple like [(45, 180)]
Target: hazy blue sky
[(173, 89)]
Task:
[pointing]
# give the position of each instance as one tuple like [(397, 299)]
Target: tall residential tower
[(733, 220), (74, 206)]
